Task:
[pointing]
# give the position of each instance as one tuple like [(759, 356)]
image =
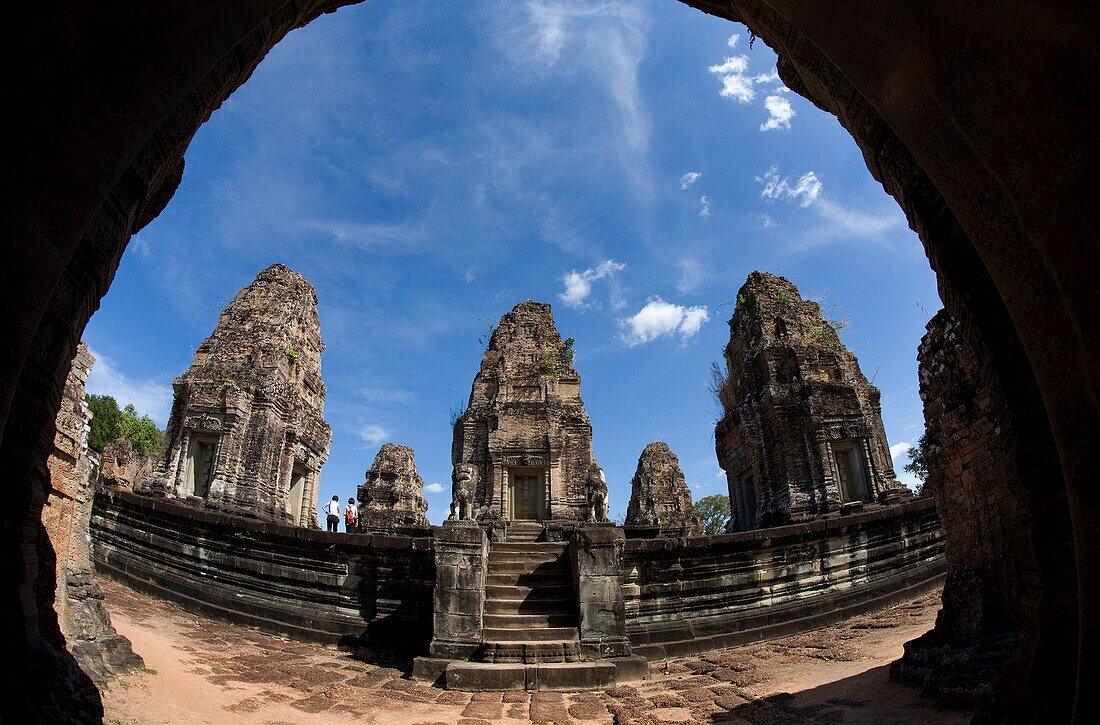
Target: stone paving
[(240, 675)]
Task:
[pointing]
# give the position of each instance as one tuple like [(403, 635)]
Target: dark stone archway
[(977, 120)]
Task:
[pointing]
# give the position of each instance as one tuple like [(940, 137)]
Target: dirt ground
[(202, 671)]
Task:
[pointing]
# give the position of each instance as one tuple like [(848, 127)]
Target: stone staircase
[(530, 604), (525, 531)]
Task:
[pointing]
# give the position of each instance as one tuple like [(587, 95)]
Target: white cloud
[(704, 206), (805, 190), (767, 221), (434, 488), (689, 178), (148, 396), (735, 83), (779, 111), (139, 245), (899, 449), (578, 285), (732, 42), (470, 276), (659, 318), (844, 221), (373, 434)]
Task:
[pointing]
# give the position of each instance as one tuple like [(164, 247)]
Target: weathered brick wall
[(700, 593), (301, 583), (969, 448)]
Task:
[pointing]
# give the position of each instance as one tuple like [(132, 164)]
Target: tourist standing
[(351, 516), (332, 508)]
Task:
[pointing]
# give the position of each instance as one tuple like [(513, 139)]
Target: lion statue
[(595, 493), (464, 479)]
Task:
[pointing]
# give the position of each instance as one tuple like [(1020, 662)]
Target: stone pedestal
[(597, 554), (461, 563)]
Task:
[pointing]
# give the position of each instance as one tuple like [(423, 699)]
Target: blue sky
[(428, 165)]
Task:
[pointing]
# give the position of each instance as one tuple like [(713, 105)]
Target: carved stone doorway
[(528, 493)]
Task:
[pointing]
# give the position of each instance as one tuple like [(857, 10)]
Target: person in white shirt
[(332, 508)]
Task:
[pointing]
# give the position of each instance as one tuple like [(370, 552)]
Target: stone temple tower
[(247, 434), (659, 494), (802, 432), (524, 444), (392, 495)]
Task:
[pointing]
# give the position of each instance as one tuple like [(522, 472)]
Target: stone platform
[(487, 677)]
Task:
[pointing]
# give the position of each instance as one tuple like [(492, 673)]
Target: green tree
[(143, 433), (105, 421), (917, 465), (713, 511), (109, 423)]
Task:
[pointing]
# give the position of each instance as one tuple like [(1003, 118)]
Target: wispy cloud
[(767, 222), (434, 488), (578, 285), (804, 190), (692, 275), (373, 433), (732, 40), (662, 319), (836, 221), (388, 395), (689, 178), (149, 397), (704, 206), (607, 40)]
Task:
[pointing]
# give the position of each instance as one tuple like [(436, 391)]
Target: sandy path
[(201, 671)]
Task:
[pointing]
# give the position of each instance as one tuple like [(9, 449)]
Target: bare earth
[(202, 671)]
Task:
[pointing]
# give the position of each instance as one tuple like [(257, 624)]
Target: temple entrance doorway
[(297, 489), (200, 466), (851, 475), (527, 496)]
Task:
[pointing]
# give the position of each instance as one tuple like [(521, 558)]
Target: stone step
[(532, 605), (533, 557), (482, 676), (542, 634), (542, 567), (529, 579), (529, 621), (531, 652), (546, 590), (528, 547)]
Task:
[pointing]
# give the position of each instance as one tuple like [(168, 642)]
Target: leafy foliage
[(568, 350), (917, 465), (713, 511), (110, 423)]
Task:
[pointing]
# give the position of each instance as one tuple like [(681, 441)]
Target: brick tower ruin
[(659, 494), (802, 431), (247, 434), (524, 444), (393, 494)]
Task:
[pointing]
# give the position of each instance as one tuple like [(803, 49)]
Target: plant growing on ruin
[(458, 410), (568, 350), (547, 362), (740, 299), (292, 355), (782, 298), (227, 384), (487, 336), (717, 385)]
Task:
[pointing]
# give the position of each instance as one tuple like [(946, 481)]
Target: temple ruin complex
[(392, 496), (524, 441), (247, 433), (659, 494), (802, 434)]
